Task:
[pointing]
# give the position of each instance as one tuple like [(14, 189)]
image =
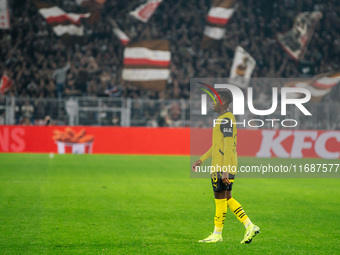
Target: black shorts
[(218, 185)]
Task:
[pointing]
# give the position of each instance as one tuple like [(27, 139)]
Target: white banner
[(216, 33), (68, 29), (242, 68), (4, 15), (154, 56), (145, 74)]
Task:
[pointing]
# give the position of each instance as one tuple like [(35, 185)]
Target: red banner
[(101, 140), (166, 141)]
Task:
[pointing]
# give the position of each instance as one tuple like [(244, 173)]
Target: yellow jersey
[(224, 141)]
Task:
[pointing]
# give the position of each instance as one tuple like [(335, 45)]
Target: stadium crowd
[(42, 66)]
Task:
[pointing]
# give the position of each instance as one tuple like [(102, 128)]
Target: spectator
[(59, 76), (42, 66), (27, 110), (151, 114), (2, 118), (33, 55)]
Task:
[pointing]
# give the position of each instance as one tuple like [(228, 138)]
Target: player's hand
[(197, 163), (225, 178)]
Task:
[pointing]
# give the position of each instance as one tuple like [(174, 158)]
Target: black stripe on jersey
[(221, 152), (227, 128)]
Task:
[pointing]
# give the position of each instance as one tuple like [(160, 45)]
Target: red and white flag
[(221, 12), (219, 15), (319, 86), (147, 63), (54, 14), (62, 23), (4, 15), (124, 39), (145, 11), (5, 84), (295, 40), (327, 82)]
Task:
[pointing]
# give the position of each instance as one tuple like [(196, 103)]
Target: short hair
[(226, 95)]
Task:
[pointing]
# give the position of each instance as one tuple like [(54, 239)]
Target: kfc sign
[(299, 144)]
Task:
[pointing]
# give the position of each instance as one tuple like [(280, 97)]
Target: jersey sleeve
[(206, 155)]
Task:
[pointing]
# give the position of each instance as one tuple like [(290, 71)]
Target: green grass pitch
[(102, 204)]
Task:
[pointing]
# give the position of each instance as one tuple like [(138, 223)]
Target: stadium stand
[(33, 56)]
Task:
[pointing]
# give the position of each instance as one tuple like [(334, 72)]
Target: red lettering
[(18, 144), (4, 139)]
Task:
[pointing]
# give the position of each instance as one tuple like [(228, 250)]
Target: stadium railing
[(140, 112)]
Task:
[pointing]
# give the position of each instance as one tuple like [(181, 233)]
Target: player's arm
[(203, 158), (228, 143), (206, 155)]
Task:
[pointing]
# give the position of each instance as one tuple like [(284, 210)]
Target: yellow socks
[(221, 211), (237, 209)]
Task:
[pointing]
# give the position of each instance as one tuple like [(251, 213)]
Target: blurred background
[(77, 79), (114, 80)]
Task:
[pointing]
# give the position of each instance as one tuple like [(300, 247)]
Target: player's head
[(226, 98)]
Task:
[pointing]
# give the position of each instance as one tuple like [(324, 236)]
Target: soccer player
[(224, 155)]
